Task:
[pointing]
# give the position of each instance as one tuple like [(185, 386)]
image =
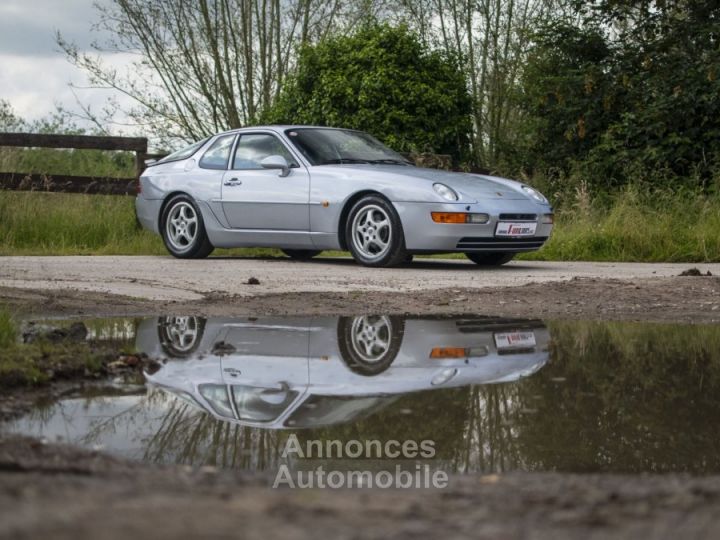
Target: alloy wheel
[(372, 232), (182, 226)]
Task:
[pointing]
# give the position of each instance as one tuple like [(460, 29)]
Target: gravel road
[(168, 279)]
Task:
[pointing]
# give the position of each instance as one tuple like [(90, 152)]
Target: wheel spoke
[(380, 326), (381, 242)]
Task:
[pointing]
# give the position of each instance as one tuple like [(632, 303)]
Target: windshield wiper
[(389, 161), (343, 160)]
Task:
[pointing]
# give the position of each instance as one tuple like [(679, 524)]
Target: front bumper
[(422, 234)]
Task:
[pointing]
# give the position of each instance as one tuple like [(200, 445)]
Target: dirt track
[(166, 279), (85, 286)]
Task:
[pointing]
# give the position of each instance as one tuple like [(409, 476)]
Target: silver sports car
[(307, 189)]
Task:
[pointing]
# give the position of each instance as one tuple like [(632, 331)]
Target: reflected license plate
[(514, 340), (507, 228)]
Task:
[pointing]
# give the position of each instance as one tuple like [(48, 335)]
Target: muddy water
[(491, 394)]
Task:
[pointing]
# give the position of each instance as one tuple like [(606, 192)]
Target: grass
[(74, 162), (629, 226), (637, 226), (36, 363), (8, 334), (16, 366), (64, 224)]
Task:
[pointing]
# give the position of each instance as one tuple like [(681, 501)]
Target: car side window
[(218, 155), (254, 147)]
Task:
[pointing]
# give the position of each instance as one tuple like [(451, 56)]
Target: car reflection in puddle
[(310, 372)]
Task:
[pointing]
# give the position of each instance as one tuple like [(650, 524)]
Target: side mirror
[(276, 162)]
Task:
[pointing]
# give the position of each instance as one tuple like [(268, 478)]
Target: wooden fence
[(19, 181)]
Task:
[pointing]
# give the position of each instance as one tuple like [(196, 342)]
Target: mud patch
[(662, 299)]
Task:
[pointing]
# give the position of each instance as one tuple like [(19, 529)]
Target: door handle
[(233, 182)]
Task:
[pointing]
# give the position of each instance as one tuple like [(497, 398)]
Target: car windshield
[(339, 146), (261, 404)]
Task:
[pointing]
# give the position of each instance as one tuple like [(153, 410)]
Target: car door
[(262, 199), (268, 353)]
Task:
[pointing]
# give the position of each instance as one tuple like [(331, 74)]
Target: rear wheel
[(369, 344), (183, 230), (490, 259), (180, 336), (374, 233), (301, 254)]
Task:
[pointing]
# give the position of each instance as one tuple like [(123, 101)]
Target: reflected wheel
[(369, 344), (180, 336)]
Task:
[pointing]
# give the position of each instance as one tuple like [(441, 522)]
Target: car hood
[(470, 187)]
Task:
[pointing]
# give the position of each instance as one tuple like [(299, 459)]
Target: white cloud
[(34, 75), (35, 84)]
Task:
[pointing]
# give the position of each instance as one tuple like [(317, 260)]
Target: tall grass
[(56, 223), (628, 226), (635, 225)]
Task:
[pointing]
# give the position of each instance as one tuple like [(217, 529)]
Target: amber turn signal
[(448, 217), (448, 352)]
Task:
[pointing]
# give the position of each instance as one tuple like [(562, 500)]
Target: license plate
[(514, 340), (507, 228)]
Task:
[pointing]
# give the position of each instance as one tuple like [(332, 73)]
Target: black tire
[(301, 254), (180, 337), (392, 252), (490, 259), (362, 362), (194, 242), (408, 258)]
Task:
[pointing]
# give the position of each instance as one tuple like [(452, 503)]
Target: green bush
[(383, 80)]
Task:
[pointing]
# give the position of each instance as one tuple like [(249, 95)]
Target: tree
[(381, 79), (9, 121), (568, 96), (640, 91), (491, 37), (205, 65)]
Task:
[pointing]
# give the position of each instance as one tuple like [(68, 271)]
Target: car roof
[(282, 127)]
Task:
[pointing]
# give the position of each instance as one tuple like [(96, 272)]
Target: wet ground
[(493, 394)]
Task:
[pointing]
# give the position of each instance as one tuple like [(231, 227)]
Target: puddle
[(493, 394)]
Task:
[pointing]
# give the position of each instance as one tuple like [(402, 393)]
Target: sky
[(34, 74)]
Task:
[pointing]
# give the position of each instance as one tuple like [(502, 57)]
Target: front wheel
[(301, 254), (374, 233), (183, 230), (490, 259)]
